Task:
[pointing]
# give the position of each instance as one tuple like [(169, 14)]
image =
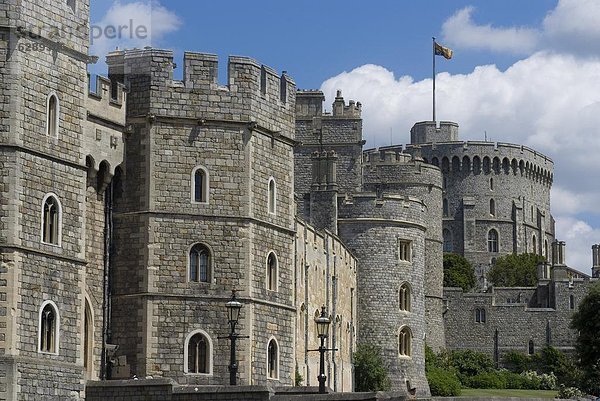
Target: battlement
[(309, 103), (479, 156), (430, 132), (107, 101), (388, 155), (253, 91)]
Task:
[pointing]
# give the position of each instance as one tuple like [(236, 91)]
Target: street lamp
[(322, 329), (233, 314)]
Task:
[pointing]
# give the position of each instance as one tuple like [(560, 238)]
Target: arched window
[(480, 315), (404, 342), (492, 241), (534, 245), (200, 264), (48, 328), (447, 240), (272, 272), (200, 185), (445, 207), (52, 115), (272, 196), (198, 353), (88, 340), (531, 347), (492, 207), (273, 359), (51, 220), (571, 301), (491, 183), (404, 297)]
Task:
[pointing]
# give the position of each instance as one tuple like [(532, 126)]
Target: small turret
[(324, 190), (559, 268), (596, 260), (430, 132)]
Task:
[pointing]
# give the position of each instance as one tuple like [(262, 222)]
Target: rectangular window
[(404, 251)]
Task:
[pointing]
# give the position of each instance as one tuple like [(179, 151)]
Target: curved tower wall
[(499, 186), (393, 172), (373, 226)]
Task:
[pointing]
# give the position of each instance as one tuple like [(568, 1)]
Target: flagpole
[(433, 78)]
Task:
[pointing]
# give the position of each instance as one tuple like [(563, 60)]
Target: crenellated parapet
[(104, 128), (479, 157), (382, 208), (253, 93)]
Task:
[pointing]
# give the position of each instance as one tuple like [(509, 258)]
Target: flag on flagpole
[(443, 51)]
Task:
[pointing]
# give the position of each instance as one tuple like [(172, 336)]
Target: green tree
[(515, 270), (370, 372), (458, 272), (586, 320)]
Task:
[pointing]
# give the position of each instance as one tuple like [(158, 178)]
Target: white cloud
[(573, 26), (132, 24), (579, 237), (548, 101), (460, 31)]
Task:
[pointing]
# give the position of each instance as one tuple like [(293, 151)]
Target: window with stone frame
[(571, 301), (48, 340), (272, 272), (272, 196), (273, 359), (200, 185), (445, 211), (200, 264), (531, 347), (198, 354), (534, 245), (492, 241), (52, 115), (405, 251), (480, 315), (404, 297), (447, 237), (51, 220), (492, 207), (405, 342), (72, 5)]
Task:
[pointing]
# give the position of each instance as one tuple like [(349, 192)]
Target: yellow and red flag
[(443, 51)]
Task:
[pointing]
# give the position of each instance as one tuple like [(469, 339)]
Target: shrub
[(487, 380), (470, 363), (569, 392), (443, 383), (520, 382), (370, 372), (516, 361)]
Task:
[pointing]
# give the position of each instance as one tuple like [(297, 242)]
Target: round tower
[(496, 197), (388, 234)]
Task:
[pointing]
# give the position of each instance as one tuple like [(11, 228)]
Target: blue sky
[(522, 72)]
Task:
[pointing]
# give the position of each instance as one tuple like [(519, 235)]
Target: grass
[(475, 392)]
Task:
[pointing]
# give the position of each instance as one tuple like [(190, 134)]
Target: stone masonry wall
[(325, 276), (372, 227)]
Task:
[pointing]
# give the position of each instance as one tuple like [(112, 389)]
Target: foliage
[(458, 272), (569, 392), (443, 383), (517, 361), (298, 379), (547, 381), (549, 361), (470, 363), (586, 320), (486, 380), (515, 270), (519, 381), (370, 372)]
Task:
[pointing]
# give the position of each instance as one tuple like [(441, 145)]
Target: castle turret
[(430, 132), (559, 267), (596, 260), (323, 193)]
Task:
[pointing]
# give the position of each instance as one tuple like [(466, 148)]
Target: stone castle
[(131, 211)]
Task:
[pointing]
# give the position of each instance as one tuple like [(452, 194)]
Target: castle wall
[(515, 178), (374, 227), (399, 173), (340, 131), (325, 276), (517, 316), (241, 136)]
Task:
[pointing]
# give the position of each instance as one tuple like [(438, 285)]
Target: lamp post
[(322, 329), (233, 313)]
